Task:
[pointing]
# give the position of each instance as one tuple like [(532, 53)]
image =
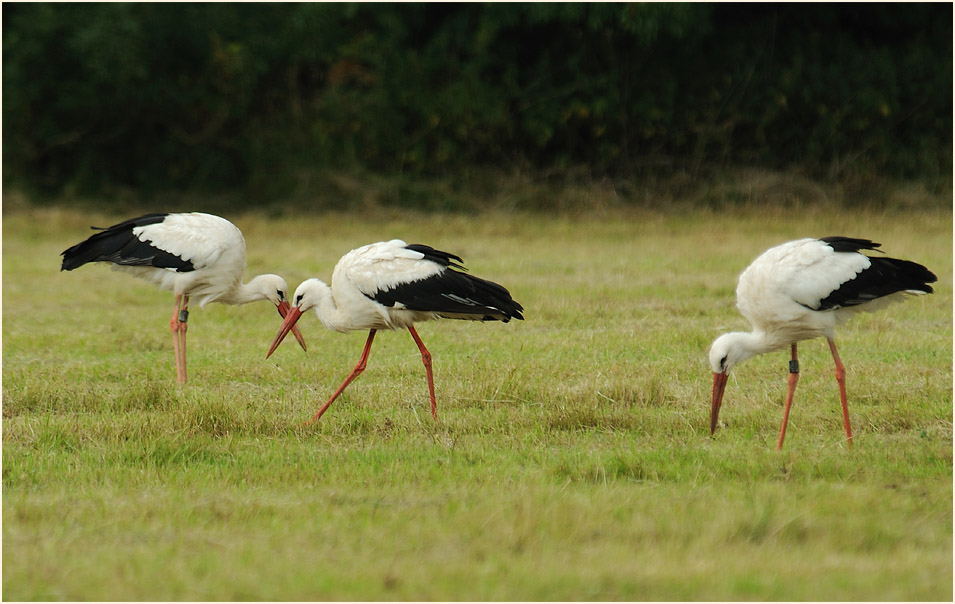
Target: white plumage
[(382, 266), (193, 255), (784, 286), (214, 246), (803, 289), (392, 285)]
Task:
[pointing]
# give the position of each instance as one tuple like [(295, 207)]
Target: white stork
[(393, 285), (190, 254), (801, 290)]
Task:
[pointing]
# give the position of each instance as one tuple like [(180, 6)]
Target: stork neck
[(243, 293), (328, 311), (758, 342)]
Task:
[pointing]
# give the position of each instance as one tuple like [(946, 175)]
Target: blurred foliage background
[(269, 101)]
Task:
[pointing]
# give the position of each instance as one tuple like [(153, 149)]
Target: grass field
[(571, 458)]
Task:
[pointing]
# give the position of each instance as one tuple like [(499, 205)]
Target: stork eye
[(298, 300), (723, 362), (281, 295)]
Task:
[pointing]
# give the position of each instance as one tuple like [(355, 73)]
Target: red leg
[(355, 372), (183, 317), (841, 378), (793, 380), (177, 339), (426, 359)]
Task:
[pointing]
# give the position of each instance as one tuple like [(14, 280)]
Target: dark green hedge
[(216, 97)]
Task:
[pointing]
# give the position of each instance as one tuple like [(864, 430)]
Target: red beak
[(719, 386), (284, 309), (293, 314)]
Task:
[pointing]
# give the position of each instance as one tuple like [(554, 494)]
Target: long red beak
[(719, 386), (291, 318), (284, 308)]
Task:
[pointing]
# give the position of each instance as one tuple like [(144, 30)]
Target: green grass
[(571, 458)]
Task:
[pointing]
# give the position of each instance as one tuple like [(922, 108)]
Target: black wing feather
[(453, 292), (118, 244), (884, 277), (437, 256), (848, 244)]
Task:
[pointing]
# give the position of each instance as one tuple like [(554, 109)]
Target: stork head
[(305, 298), (725, 352), (274, 289), (269, 287), (307, 294), (728, 350)]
